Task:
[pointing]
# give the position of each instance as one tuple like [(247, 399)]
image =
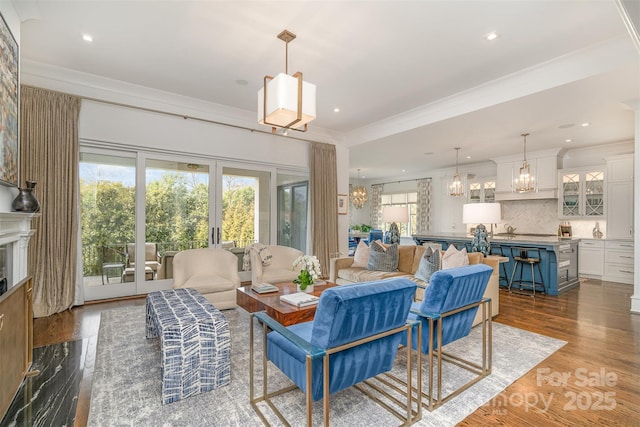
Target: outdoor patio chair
[(151, 257)]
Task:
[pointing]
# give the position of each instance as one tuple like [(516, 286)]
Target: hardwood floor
[(593, 380)]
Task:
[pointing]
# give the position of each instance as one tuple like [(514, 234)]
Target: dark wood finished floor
[(593, 380)]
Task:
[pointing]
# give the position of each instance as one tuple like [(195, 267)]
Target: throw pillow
[(454, 258), (429, 264), (383, 259), (361, 257)]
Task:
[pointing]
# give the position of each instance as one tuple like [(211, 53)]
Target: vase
[(596, 231), (26, 201), (308, 289)]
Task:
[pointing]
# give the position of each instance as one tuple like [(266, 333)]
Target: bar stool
[(505, 252), (522, 257)]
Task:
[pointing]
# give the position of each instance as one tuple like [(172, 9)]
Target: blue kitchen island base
[(558, 257)]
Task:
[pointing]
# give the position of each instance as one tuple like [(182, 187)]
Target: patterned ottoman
[(195, 342)]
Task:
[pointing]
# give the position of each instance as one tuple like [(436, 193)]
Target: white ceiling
[(409, 78)]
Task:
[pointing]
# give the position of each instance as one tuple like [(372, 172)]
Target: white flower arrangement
[(309, 263)]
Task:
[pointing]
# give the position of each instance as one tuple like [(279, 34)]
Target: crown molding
[(97, 88)]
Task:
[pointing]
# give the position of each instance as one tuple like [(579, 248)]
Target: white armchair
[(279, 269), (211, 271)]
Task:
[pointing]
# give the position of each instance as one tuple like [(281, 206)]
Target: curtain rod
[(168, 113), (404, 180)]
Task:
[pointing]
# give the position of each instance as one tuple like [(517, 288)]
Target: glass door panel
[(594, 194), (246, 210), (177, 203), (489, 192), (474, 192), (107, 217), (571, 195)]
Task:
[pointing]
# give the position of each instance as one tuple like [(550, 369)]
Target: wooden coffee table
[(285, 314)]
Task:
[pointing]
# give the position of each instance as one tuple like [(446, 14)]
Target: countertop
[(515, 238)]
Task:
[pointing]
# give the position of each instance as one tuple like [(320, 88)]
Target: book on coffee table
[(300, 299), (264, 288)]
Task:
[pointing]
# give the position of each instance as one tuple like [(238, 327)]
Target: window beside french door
[(410, 200), (293, 203)]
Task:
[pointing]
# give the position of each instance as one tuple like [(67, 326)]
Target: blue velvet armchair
[(354, 336), (447, 312)]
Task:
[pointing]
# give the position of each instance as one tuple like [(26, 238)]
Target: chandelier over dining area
[(358, 195)]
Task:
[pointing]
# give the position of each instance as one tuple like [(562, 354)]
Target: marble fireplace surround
[(15, 230)]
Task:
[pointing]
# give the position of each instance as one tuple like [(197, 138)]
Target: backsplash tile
[(541, 216)]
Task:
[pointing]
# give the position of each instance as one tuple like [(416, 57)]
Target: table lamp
[(481, 213), (394, 214)]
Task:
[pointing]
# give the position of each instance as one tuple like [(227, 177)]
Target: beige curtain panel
[(323, 185), (49, 156)]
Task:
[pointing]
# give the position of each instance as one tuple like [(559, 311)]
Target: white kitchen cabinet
[(591, 258), (581, 193), (620, 197), (546, 170), (620, 168), (504, 178), (620, 210), (482, 191), (618, 261)]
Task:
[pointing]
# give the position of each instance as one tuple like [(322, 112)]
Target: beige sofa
[(341, 272)]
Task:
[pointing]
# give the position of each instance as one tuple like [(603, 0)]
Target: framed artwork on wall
[(343, 204), (9, 112)]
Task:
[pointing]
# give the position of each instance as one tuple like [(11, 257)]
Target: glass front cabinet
[(581, 193), (482, 191)]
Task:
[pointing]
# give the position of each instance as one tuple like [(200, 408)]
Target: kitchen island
[(558, 257)]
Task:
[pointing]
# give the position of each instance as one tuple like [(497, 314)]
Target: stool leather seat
[(530, 257)]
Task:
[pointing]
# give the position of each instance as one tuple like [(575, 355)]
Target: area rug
[(126, 380)]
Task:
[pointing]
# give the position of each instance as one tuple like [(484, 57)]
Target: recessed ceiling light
[(336, 110), (429, 153), (242, 82), (87, 38), (404, 170), (468, 157), (491, 36), (585, 124), (566, 126), (568, 140)]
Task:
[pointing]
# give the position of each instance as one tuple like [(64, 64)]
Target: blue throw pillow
[(429, 264), (383, 259)]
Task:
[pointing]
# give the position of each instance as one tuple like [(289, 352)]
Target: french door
[(139, 209)]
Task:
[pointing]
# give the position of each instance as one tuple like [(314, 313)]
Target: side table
[(106, 267)]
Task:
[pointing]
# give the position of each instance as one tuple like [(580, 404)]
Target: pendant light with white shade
[(284, 101)]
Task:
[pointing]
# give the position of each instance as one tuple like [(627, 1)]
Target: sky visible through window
[(93, 172)]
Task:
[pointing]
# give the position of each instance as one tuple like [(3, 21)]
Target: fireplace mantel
[(15, 229)]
